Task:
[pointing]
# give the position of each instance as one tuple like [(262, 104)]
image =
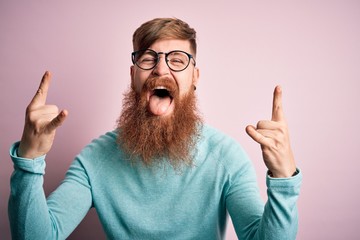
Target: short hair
[(163, 28)]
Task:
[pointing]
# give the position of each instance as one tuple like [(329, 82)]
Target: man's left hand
[(273, 137)]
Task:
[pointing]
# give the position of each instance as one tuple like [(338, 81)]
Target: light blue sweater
[(138, 202)]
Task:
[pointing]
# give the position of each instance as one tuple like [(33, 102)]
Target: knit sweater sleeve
[(277, 219), (31, 215)]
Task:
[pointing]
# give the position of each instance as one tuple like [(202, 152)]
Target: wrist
[(283, 175), (27, 154)]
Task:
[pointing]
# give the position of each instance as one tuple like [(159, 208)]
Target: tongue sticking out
[(159, 104)]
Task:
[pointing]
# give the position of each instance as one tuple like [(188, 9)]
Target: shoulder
[(101, 148), (221, 147), (107, 138), (213, 139), (225, 152), (104, 142)]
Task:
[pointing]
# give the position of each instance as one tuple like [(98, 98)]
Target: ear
[(196, 76), (132, 73)]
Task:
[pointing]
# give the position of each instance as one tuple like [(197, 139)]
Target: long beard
[(151, 138)]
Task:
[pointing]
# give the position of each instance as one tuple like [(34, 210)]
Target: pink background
[(311, 48)]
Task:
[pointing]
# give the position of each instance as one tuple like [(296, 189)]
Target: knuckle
[(55, 108), (28, 109), (31, 117), (56, 121), (37, 128), (39, 91), (260, 138), (274, 146), (37, 123), (260, 124), (283, 130), (51, 109), (279, 139)]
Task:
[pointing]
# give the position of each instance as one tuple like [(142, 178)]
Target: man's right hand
[(41, 122)]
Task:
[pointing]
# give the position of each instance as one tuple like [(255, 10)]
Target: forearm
[(31, 215), (28, 211), (277, 220), (280, 217)]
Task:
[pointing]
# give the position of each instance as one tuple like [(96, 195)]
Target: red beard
[(155, 138)]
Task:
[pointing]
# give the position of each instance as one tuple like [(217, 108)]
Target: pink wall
[(311, 48)]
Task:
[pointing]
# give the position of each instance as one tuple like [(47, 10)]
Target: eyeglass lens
[(148, 59)]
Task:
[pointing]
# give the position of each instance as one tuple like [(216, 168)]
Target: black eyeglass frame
[(158, 58)]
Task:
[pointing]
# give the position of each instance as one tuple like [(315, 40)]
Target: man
[(162, 174)]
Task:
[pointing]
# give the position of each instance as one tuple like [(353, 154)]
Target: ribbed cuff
[(284, 182), (36, 165)]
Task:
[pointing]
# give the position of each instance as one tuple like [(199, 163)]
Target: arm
[(31, 215), (279, 218)]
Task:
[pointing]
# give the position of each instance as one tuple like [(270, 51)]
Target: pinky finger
[(57, 121), (256, 136)]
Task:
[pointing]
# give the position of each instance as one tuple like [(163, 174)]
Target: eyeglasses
[(176, 60)]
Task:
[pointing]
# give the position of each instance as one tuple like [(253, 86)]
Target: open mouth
[(160, 100), (162, 92)]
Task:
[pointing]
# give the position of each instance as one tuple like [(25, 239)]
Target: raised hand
[(273, 136), (41, 122)]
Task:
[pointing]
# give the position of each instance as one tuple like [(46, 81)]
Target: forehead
[(167, 45)]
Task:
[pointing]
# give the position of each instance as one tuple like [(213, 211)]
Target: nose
[(161, 68)]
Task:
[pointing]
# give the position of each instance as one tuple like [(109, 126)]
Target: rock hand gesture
[(41, 122), (273, 136)]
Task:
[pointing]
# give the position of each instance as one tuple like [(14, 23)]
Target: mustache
[(163, 83)]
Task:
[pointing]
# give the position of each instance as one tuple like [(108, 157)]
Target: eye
[(177, 61), (178, 58), (147, 60)]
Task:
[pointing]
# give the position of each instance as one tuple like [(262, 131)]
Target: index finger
[(277, 110), (41, 94)]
